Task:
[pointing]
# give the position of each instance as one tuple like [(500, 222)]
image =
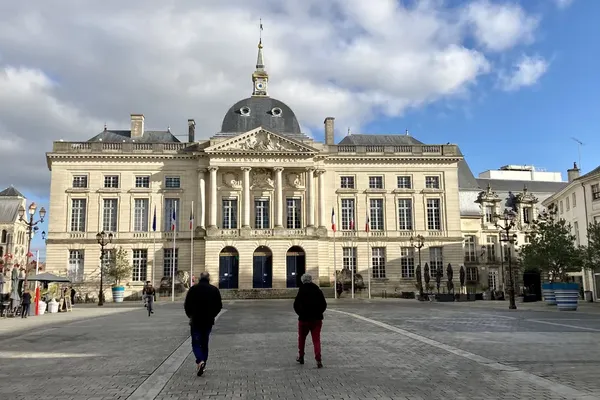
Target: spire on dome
[(260, 77)]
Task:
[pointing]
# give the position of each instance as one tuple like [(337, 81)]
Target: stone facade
[(13, 233)]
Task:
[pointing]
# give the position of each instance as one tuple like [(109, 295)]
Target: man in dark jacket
[(25, 303), (310, 305), (202, 305)]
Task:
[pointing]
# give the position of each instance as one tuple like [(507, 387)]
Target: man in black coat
[(202, 305), (310, 305)]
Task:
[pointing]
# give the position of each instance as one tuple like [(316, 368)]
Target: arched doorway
[(229, 268), (262, 277), (296, 266)]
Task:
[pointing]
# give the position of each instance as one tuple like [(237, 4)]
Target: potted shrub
[(119, 269)]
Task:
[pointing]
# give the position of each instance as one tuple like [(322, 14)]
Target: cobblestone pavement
[(371, 350)]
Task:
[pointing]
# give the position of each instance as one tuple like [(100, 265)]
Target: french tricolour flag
[(367, 225), (333, 219), (173, 220)]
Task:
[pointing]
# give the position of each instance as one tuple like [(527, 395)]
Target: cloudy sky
[(509, 81)]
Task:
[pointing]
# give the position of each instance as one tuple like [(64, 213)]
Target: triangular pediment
[(260, 140)]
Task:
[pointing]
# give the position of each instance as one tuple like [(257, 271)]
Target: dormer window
[(245, 111), (276, 112)]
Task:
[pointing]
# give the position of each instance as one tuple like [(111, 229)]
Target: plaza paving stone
[(404, 350)]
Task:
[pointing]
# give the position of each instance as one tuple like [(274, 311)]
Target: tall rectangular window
[(349, 258), (435, 260), (493, 279), (111, 181), (376, 214), (140, 215), (230, 209), (140, 265), (75, 269), (378, 262), (489, 214), (490, 247), (78, 215), (261, 214), (407, 262), (576, 229), (347, 182), (294, 213), (568, 203), (168, 261), (171, 205), (80, 181), (142, 182), (470, 249), (527, 211), (434, 214), (404, 182), (348, 222), (376, 182), (574, 200), (110, 213), (405, 215)]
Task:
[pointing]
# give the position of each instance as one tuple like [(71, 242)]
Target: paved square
[(380, 349)]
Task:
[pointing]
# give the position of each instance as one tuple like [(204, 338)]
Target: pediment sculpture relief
[(262, 178), (263, 141), (295, 180), (231, 179)]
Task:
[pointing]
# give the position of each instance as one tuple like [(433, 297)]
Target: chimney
[(137, 125), (573, 173), (191, 130), (329, 137)]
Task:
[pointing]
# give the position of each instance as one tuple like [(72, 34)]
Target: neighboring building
[(263, 195), (518, 188), (13, 233), (578, 203)]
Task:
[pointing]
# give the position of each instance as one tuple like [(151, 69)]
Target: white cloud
[(66, 67), (499, 27), (563, 3), (526, 72)]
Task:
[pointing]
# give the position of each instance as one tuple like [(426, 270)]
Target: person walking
[(310, 304), (202, 305), (149, 295), (144, 293), (25, 303)]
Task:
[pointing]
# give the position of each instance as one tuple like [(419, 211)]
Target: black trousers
[(24, 310)]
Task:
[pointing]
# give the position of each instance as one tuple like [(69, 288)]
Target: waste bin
[(588, 296)]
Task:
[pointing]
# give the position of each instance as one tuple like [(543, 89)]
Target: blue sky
[(444, 70)]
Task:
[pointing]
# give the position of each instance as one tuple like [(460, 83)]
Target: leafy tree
[(552, 248), (592, 250), (119, 268)]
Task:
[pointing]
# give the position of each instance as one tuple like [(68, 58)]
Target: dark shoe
[(319, 364), (300, 360), (200, 368)]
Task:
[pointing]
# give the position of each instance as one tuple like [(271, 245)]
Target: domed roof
[(257, 111)]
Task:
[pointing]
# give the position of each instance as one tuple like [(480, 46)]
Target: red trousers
[(314, 327)]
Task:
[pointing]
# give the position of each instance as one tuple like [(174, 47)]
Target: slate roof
[(382, 140), (9, 209), (595, 171), (261, 115), (118, 136), (466, 179), (11, 192)]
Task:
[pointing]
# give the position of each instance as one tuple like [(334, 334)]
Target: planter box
[(548, 293), (444, 297), (567, 296), (117, 293)]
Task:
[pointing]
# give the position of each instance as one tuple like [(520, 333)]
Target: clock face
[(260, 85)]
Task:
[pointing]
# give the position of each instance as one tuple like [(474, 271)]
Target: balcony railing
[(126, 147), (431, 150)]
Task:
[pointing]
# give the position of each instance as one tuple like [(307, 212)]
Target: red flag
[(332, 219)]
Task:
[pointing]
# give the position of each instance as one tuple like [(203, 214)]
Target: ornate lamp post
[(104, 240), (31, 228), (418, 244), (506, 223)]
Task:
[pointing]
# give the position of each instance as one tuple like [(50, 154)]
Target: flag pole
[(37, 288), (334, 268), (154, 248), (369, 254), (353, 265), (174, 227), (192, 245)]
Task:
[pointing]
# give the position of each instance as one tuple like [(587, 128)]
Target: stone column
[(310, 187), (278, 197), (201, 210), (213, 197), (246, 199), (321, 176)]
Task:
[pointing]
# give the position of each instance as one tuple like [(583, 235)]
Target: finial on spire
[(105, 127), (348, 132), (406, 132), (260, 34), (260, 77)]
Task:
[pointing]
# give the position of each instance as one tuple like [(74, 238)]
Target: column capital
[(319, 172), (201, 170), (212, 168), (311, 169), (246, 168), (277, 169)]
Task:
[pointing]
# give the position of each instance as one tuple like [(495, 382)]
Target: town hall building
[(261, 197)]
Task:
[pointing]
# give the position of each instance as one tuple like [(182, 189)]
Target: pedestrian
[(73, 293), (202, 305), (25, 302), (149, 296), (144, 293), (310, 304)]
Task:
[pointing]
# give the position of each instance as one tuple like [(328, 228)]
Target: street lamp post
[(506, 223), (104, 240), (31, 228), (418, 244)]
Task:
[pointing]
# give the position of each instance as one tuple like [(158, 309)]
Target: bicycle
[(150, 304)]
